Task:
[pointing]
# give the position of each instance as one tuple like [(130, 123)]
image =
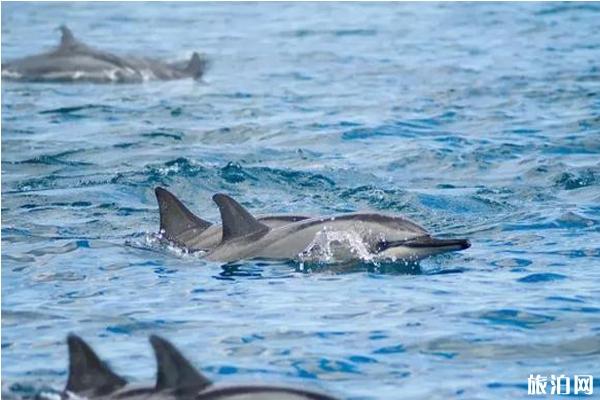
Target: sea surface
[(475, 120)]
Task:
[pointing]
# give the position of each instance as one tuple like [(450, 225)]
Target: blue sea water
[(475, 120)]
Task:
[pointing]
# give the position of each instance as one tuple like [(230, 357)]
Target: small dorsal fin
[(196, 66), (175, 218), (67, 38), (87, 373), (174, 372), (237, 221)]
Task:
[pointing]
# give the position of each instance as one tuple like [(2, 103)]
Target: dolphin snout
[(431, 242)]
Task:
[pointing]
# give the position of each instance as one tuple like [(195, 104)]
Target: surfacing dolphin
[(74, 61), (343, 238), (176, 379)]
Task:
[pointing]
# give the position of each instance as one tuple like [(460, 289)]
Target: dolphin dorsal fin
[(237, 221), (175, 218), (87, 373), (67, 39), (196, 66), (173, 370)]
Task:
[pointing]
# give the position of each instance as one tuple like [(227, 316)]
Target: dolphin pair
[(370, 236), (176, 379), (74, 61)]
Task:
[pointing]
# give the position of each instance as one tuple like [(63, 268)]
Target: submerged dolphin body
[(344, 238), (176, 379), (74, 61), (182, 227)]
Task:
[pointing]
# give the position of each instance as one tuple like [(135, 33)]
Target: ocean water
[(475, 120)]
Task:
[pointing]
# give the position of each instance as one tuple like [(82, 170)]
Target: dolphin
[(376, 236), (343, 238), (176, 379), (74, 61), (180, 226)]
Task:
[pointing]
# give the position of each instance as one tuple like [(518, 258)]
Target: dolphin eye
[(381, 246)]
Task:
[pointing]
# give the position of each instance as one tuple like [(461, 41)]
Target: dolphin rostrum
[(74, 61), (176, 379), (346, 237)]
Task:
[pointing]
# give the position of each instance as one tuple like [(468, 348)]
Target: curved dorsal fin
[(196, 66), (87, 373), (237, 221), (175, 218), (67, 38), (174, 372)]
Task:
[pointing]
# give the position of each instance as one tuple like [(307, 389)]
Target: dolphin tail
[(87, 373), (175, 218), (441, 244), (196, 66)]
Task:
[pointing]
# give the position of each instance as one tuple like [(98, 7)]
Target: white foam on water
[(158, 241)]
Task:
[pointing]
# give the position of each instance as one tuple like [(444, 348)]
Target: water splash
[(332, 246), (157, 241)]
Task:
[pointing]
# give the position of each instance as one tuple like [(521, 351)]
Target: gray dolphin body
[(176, 379), (74, 61), (344, 238)]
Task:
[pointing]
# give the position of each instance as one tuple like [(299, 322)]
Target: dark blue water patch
[(401, 129), (407, 128), (80, 112), (391, 349), (447, 271), (176, 112), (30, 391), (588, 253), (379, 198), (542, 277), (132, 327), (515, 318), (164, 133), (56, 159), (297, 178), (227, 370), (302, 372), (303, 33), (569, 220), (76, 204), (443, 354), (565, 299), (455, 203), (359, 359), (519, 263), (504, 385), (553, 9), (239, 270), (328, 365), (67, 110), (576, 180)]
